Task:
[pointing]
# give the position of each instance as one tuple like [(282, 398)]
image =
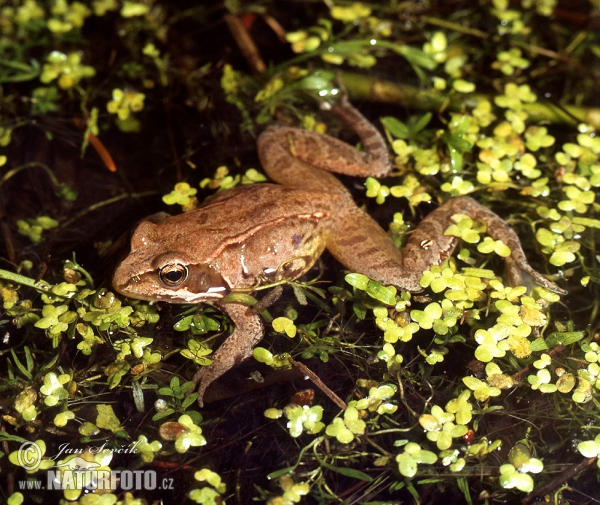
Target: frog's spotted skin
[(250, 234)]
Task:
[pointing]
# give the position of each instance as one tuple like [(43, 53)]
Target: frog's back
[(243, 209), (253, 231)]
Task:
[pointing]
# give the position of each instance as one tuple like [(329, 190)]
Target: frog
[(245, 237)]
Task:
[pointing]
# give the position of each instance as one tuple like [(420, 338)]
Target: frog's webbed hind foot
[(434, 225), (236, 348)]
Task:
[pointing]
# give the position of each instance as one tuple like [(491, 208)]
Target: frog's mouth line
[(181, 295), (184, 295)]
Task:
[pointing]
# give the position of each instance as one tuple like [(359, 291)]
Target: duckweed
[(429, 371)]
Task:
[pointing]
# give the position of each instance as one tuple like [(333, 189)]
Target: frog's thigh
[(362, 246), (238, 346), (427, 245)]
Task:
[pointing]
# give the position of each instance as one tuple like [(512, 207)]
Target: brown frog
[(254, 234)]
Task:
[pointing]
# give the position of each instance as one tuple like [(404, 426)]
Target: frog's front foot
[(238, 346), (203, 378), (232, 352)]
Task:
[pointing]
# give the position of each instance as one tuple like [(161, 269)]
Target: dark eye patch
[(203, 279)]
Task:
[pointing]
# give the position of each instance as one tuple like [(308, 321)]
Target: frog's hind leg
[(276, 151), (429, 242), (499, 229), (362, 246), (300, 158)]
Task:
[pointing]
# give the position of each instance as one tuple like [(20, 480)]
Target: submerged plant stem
[(104, 203), (369, 87)]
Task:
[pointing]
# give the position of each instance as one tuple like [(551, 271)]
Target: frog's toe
[(201, 385), (522, 274)]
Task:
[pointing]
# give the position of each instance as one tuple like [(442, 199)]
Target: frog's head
[(154, 270)]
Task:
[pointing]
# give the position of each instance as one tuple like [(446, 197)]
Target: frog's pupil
[(173, 274)]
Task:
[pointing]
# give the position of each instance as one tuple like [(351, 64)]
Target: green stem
[(104, 203), (238, 297), (41, 286), (368, 87), (34, 164), (449, 25)]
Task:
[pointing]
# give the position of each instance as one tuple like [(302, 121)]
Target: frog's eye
[(173, 275)]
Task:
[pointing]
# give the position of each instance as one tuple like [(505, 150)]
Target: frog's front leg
[(362, 246), (247, 333)]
